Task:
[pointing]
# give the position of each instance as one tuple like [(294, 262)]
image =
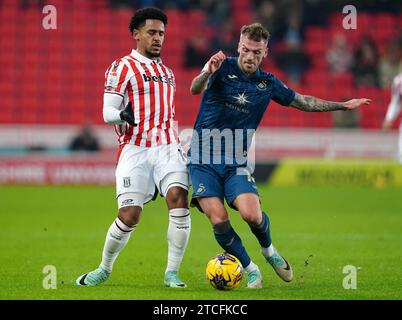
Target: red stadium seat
[(315, 47), (345, 79), (11, 5), (315, 77), (316, 34), (54, 66)]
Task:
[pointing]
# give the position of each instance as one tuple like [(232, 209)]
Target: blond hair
[(255, 32)]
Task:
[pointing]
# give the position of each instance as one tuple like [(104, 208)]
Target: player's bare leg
[(116, 238), (248, 205), (228, 239), (178, 234)]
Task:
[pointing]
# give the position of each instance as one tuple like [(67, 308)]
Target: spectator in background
[(266, 13), (339, 56), (366, 63), (226, 39), (315, 12), (37, 4), (293, 33), (217, 11), (85, 140), (292, 59), (390, 64), (289, 18), (123, 3), (197, 51), (374, 6), (135, 4)]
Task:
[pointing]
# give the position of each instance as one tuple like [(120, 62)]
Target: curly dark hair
[(141, 15)]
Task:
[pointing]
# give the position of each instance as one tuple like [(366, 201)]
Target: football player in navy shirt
[(236, 93)]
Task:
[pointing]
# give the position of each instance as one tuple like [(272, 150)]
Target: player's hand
[(215, 62), (127, 114), (355, 103)]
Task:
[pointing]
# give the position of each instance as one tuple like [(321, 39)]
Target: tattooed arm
[(313, 104), (200, 82)]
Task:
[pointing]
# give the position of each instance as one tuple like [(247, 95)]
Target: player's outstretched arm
[(199, 83), (313, 104)]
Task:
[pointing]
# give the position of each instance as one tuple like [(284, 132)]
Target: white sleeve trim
[(205, 68), (112, 105)]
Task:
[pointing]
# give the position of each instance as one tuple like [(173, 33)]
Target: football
[(224, 272)]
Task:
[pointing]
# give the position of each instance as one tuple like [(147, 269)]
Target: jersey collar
[(136, 55)]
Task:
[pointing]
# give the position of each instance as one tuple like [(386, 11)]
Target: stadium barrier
[(84, 169), (39, 155), (319, 172), (76, 170)]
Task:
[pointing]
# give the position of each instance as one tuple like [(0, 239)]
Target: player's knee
[(130, 206), (174, 188), (177, 198), (251, 216), (213, 209), (216, 216), (130, 215)]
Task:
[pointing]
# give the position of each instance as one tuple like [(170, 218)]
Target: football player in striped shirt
[(394, 109), (139, 101)]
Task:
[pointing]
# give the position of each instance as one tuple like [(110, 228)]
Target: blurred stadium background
[(52, 80), (346, 205)]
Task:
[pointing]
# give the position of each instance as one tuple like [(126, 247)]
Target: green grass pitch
[(319, 230)]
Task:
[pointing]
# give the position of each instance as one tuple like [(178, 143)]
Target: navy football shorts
[(219, 180)]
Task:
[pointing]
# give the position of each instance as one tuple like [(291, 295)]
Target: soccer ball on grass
[(224, 272)]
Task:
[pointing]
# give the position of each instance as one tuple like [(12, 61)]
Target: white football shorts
[(141, 170)]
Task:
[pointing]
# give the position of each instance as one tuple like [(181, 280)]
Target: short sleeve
[(117, 77), (281, 93)]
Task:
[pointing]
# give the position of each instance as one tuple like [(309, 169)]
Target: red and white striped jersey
[(394, 107), (150, 87)]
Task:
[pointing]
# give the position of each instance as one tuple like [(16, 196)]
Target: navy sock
[(229, 240), (262, 231)]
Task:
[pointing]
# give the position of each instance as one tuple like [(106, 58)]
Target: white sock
[(177, 235), (268, 252), (251, 267), (116, 238)]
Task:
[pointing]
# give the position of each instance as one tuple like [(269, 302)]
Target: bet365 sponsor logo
[(163, 79)]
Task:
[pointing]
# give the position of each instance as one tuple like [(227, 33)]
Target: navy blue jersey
[(233, 104)]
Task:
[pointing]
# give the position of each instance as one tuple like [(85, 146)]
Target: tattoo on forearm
[(199, 82), (313, 104)]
